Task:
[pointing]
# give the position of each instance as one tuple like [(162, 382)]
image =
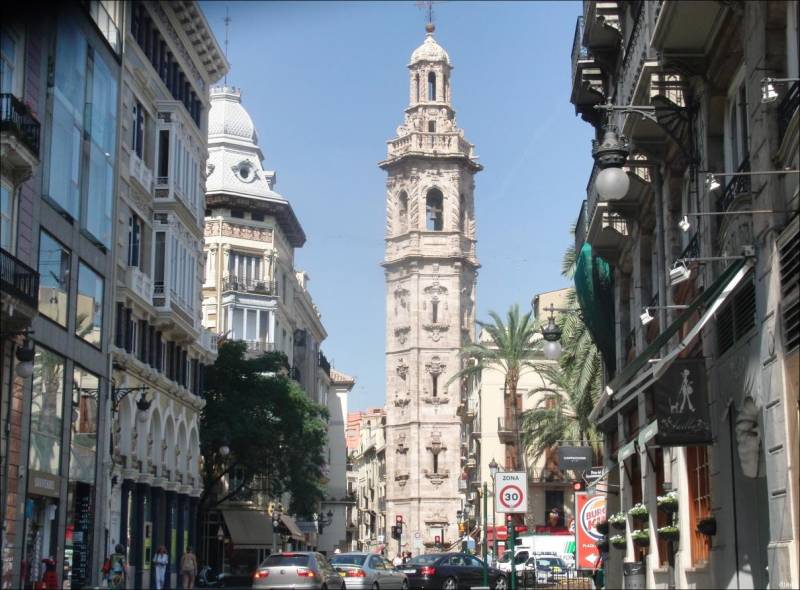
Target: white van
[(530, 545)]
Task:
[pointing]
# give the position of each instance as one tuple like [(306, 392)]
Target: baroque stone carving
[(401, 333), (436, 330), (235, 230)]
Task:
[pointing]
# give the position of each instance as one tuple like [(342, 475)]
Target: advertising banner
[(682, 405), (590, 510)]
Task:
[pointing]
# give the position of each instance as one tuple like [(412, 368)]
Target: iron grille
[(789, 261)]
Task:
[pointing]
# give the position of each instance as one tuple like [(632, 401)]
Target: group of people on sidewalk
[(115, 568)]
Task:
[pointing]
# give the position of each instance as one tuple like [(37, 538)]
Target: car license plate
[(343, 574), (409, 571)]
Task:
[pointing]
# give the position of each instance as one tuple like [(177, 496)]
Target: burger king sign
[(591, 511)]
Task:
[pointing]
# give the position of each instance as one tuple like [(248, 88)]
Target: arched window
[(431, 86), (462, 213), (417, 86), (444, 87), (434, 312), (402, 211), (434, 210)]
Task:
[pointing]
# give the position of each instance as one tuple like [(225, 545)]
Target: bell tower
[(430, 269)]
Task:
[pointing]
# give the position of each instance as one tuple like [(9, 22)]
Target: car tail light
[(304, 572), (356, 574), (427, 570), (260, 574)]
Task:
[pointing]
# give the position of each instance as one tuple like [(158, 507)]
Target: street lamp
[(277, 512), (493, 467), (612, 182), (25, 356), (322, 521)]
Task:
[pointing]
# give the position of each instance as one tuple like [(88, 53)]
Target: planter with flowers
[(669, 533), (641, 537), (707, 526), (639, 512), (668, 503), (618, 541), (618, 521)]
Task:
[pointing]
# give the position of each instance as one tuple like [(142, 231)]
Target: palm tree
[(571, 387), (511, 349)]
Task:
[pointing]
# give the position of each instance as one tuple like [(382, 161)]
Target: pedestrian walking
[(599, 574), (397, 561), (160, 561), (188, 569), (117, 569)]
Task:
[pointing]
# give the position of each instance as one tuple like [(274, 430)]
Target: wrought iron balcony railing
[(736, 186), (249, 286), (16, 118), (18, 279)]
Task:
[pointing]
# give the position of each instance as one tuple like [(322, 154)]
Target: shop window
[(89, 310), (46, 411), (697, 471), (54, 263)]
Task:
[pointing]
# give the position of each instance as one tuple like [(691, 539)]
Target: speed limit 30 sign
[(511, 492)]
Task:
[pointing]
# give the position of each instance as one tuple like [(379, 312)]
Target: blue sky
[(326, 84)]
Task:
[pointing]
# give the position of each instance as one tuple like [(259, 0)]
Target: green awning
[(594, 289), (702, 300)]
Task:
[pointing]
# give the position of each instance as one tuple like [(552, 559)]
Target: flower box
[(669, 533), (707, 526), (618, 541), (618, 521), (668, 503), (639, 512), (641, 537)]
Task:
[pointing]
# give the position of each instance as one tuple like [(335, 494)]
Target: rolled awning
[(294, 530), (248, 529), (630, 379)]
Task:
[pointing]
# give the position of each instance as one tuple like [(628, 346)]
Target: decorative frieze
[(216, 227)]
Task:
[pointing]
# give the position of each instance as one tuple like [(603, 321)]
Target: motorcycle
[(208, 578)]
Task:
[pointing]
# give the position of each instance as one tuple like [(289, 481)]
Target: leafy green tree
[(572, 386), (511, 349), (275, 433)]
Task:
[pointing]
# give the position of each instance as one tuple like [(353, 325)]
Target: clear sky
[(326, 84)]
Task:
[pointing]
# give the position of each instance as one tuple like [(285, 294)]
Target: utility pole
[(512, 540), (485, 532)]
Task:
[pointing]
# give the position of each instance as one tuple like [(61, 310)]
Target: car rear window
[(348, 559), (424, 560), (286, 559)]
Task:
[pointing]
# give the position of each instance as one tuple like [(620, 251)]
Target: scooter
[(208, 578)]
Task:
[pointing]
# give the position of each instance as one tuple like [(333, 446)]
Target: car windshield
[(505, 558), (424, 560), (348, 559), (285, 559), (550, 562)]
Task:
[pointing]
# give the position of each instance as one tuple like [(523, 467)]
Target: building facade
[(369, 480), (160, 347), (430, 269), (700, 401)]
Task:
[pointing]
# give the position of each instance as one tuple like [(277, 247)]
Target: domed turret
[(430, 50), (227, 117)]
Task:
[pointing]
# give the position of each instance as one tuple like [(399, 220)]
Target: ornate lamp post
[(493, 466)]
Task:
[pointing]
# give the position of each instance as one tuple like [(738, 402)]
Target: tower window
[(416, 80), (434, 385), (431, 86), (435, 312), (431, 126), (434, 211), (435, 462), (462, 212), (402, 206)]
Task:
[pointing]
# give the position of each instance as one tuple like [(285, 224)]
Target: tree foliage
[(275, 433), (572, 386), (511, 349)]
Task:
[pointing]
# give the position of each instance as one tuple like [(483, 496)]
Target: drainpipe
[(661, 249)]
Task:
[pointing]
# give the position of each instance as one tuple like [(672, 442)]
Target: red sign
[(590, 511)]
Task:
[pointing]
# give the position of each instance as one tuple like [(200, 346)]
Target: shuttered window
[(789, 261), (737, 317)]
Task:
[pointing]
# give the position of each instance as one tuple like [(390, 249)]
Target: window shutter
[(789, 262)]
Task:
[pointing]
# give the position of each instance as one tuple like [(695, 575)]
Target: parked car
[(368, 570), (304, 570), (450, 571)]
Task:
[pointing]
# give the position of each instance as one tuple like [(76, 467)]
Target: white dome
[(227, 116), (430, 50)]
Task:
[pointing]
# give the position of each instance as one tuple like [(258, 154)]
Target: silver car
[(304, 570), (367, 570)]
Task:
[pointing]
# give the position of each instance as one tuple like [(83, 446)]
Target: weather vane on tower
[(227, 22), (427, 5)]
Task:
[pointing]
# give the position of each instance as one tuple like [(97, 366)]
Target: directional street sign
[(512, 492)]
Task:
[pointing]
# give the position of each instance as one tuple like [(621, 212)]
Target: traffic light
[(462, 528), (395, 534), (437, 540), (579, 486)]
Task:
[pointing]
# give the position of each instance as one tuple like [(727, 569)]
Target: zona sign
[(512, 492)]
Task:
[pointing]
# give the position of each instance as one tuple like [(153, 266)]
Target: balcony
[(208, 341), (606, 230), (19, 285), (171, 307), (506, 429), (139, 171), (259, 346), (417, 243), (738, 185), (601, 26), (139, 284), (687, 29), (19, 138), (249, 286), (789, 125), (587, 79), (427, 143)]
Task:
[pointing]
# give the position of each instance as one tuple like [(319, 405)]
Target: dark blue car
[(450, 571)]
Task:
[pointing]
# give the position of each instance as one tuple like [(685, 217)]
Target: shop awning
[(711, 299), (294, 530), (248, 528)]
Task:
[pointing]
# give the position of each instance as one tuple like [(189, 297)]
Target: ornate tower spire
[(430, 268)]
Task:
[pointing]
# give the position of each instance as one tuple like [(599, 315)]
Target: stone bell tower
[(430, 269)]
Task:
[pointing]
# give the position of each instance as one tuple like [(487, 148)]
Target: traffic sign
[(512, 492)]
